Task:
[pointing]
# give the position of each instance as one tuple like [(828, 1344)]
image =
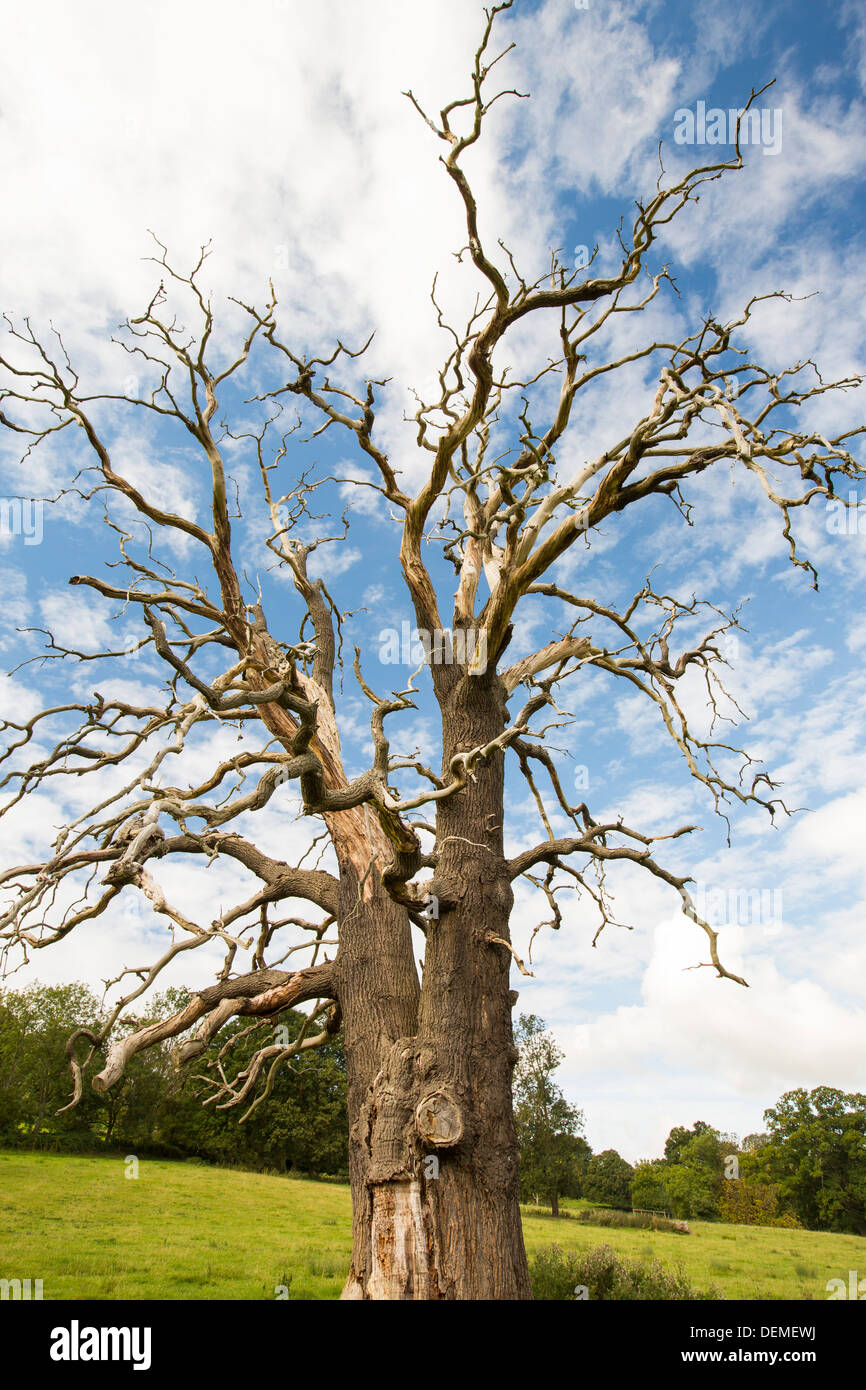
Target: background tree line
[(158, 1108), (808, 1168)]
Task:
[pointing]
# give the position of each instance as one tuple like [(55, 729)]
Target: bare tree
[(433, 1155)]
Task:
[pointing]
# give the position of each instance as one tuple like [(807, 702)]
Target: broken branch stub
[(439, 1121)]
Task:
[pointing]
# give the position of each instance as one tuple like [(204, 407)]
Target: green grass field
[(188, 1231)]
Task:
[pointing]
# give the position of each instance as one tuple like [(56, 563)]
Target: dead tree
[(429, 1059)]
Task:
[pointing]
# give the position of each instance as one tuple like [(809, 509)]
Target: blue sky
[(281, 134)]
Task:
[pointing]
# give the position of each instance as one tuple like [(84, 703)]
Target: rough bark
[(378, 989), (434, 1155)]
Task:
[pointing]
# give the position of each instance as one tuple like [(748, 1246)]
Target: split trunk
[(433, 1153)]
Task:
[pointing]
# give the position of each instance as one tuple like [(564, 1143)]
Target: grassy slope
[(184, 1231)]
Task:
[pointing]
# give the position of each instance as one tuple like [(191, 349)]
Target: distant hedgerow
[(639, 1220), (557, 1274)]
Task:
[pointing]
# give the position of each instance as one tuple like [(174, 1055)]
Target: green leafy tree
[(301, 1121), (608, 1180), (705, 1152), (753, 1142), (553, 1155), (688, 1180), (816, 1151), (681, 1139), (691, 1191), (686, 1190), (747, 1202), (648, 1189), (35, 1024), (300, 1114)]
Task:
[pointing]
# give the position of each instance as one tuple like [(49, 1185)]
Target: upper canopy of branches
[(494, 499)]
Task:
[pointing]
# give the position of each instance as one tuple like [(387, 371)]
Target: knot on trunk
[(439, 1120)]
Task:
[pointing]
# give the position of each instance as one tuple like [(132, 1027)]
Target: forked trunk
[(433, 1150)]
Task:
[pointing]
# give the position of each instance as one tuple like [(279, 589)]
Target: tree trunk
[(554, 1204), (433, 1149), (378, 991)]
